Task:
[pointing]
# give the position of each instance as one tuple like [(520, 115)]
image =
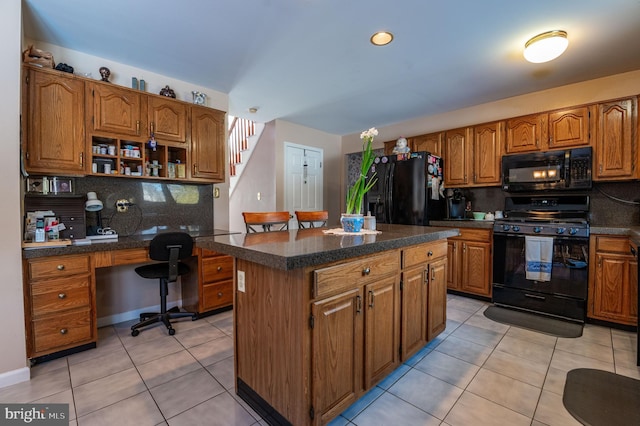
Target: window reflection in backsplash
[(158, 206)]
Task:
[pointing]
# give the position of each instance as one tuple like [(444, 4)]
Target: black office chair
[(169, 248)]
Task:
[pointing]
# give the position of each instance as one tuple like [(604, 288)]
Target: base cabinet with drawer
[(209, 286), (59, 304), (469, 267), (613, 280), (310, 341)]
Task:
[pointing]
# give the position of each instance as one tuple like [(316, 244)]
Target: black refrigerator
[(409, 189)]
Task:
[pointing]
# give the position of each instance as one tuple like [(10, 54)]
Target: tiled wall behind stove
[(158, 205)]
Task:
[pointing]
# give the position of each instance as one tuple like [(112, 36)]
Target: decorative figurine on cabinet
[(168, 92), (105, 73), (401, 147)]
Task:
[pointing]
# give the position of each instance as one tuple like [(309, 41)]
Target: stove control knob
[(573, 231), (505, 228), (516, 228), (560, 230), (537, 229)]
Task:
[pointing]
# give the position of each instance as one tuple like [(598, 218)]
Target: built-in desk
[(60, 288)]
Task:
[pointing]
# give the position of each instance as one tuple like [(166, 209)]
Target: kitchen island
[(320, 319)]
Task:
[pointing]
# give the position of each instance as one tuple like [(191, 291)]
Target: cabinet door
[(453, 281), (207, 143), (116, 110), (569, 128), (414, 310), (457, 156), (488, 140), (55, 134), (615, 138), (168, 119), (612, 289), (336, 353), (430, 143), (525, 134), (437, 298), (476, 264), (382, 327)]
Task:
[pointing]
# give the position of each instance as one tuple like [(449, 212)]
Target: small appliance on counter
[(97, 232), (456, 204)]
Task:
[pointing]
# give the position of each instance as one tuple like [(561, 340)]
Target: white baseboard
[(15, 376), (128, 316)]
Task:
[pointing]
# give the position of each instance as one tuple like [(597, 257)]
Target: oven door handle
[(535, 296)]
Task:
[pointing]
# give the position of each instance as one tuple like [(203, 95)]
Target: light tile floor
[(477, 372)]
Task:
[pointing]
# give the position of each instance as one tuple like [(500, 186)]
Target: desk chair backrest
[(171, 247), (314, 219), (266, 221)]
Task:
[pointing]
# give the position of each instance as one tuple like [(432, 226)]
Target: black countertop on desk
[(122, 243), (299, 248)]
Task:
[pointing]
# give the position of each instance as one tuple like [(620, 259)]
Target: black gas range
[(552, 281)]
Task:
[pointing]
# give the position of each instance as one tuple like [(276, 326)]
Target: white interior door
[(303, 178)]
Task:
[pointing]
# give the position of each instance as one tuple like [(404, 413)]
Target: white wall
[(13, 361)]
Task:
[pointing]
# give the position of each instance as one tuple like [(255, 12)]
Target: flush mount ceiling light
[(546, 46), (253, 110), (381, 38)]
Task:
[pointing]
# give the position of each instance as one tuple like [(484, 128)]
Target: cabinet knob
[(219, 268), (219, 294), (429, 253), (61, 296), (63, 331), (60, 267), (366, 271)]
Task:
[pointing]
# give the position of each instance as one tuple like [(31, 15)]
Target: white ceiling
[(310, 61)]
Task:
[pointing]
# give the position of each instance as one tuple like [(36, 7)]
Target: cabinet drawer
[(217, 295), (59, 295), (130, 256), (58, 267), (612, 244), (209, 253), (420, 254), (62, 330), (470, 234), (217, 269), (339, 278)]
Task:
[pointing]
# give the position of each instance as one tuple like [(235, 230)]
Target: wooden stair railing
[(240, 130)]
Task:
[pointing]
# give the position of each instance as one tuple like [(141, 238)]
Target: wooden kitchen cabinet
[(432, 143), (613, 280), (569, 128), (116, 110), (424, 295), (59, 311), (488, 140), (457, 154), (212, 288), (469, 262), (167, 119), (207, 144), (616, 140), (53, 123), (527, 134)]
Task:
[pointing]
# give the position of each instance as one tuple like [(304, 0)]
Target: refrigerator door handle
[(389, 192)]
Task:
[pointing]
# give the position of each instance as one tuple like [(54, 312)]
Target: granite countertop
[(463, 223), (298, 248), (122, 243)]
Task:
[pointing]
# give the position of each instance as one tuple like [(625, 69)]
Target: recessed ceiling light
[(546, 46), (381, 38), (253, 110)]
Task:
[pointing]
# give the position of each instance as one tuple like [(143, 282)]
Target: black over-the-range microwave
[(562, 170)]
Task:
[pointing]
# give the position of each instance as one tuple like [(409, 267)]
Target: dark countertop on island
[(298, 248), (122, 243)]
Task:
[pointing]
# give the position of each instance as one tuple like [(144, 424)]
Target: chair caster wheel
[(172, 331), (134, 333), (194, 317)]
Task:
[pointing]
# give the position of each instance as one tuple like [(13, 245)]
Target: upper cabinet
[(569, 128), (74, 126), (488, 140), (616, 127), (457, 157), (527, 133), (432, 143), (207, 144), (167, 119), (116, 110), (53, 123)]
